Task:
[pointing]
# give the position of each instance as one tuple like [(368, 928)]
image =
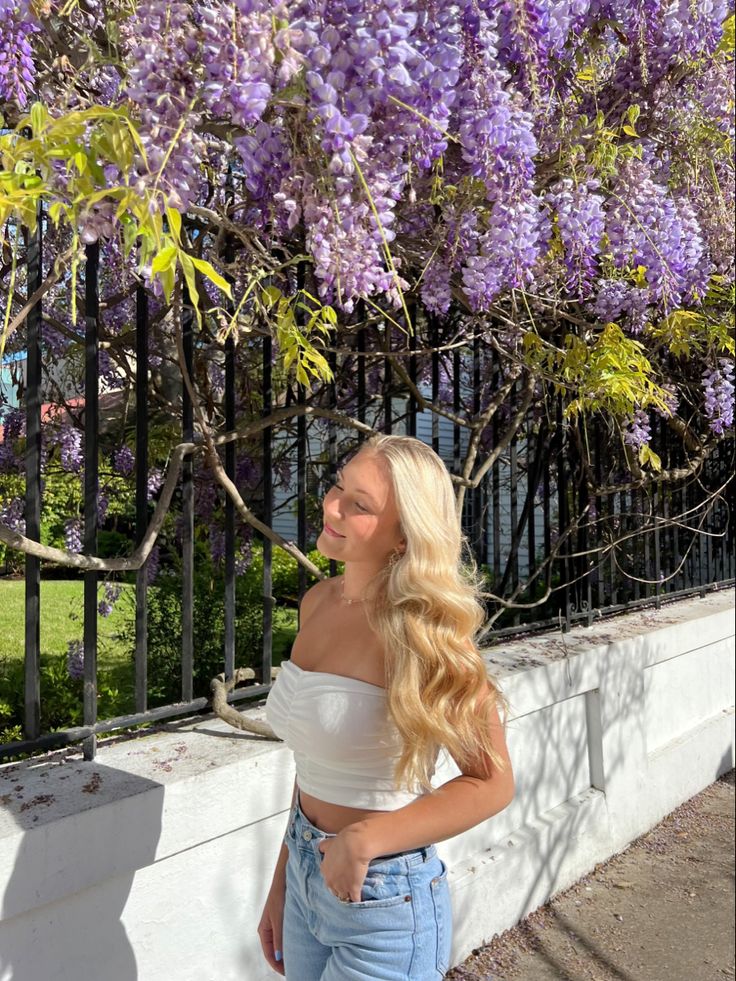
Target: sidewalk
[(662, 910)]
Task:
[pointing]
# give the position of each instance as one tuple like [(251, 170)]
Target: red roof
[(51, 409)]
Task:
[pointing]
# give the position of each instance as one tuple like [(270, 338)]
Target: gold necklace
[(344, 597)]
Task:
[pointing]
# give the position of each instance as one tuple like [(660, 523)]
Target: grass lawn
[(61, 602), (62, 621)]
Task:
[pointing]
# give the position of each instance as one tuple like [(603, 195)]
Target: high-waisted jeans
[(401, 929)]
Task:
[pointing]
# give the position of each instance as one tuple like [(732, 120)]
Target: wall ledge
[(590, 728)]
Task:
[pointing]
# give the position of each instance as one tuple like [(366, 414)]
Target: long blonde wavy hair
[(426, 609)]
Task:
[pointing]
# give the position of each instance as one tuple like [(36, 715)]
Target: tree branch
[(93, 563)]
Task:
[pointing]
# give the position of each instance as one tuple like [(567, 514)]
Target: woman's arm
[(458, 805), (271, 925), (461, 803)]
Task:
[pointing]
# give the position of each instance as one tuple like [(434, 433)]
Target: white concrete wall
[(152, 863)]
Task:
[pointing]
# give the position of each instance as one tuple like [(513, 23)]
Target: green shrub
[(63, 498), (164, 631), (164, 621), (61, 696), (113, 543), (12, 734)]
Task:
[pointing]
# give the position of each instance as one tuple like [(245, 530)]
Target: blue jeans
[(401, 929)]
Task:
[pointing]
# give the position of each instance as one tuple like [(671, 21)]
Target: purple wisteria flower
[(638, 431), (496, 135), (111, 594), (75, 659), (435, 289), (672, 398), (517, 233), (163, 85), (282, 472), (12, 514), (611, 299), (247, 472), (619, 300), (73, 534), (17, 70), (123, 461), (13, 422), (96, 222), (646, 228), (718, 385), (13, 426), (155, 481), (525, 42), (243, 558), (70, 445), (581, 223), (564, 19)]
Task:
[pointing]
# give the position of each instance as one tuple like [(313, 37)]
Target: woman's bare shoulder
[(313, 597)]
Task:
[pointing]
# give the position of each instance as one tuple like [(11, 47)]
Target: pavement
[(662, 910)]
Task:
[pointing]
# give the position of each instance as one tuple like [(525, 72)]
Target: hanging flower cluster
[(463, 150)]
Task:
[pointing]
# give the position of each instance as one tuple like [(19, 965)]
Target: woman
[(383, 673)]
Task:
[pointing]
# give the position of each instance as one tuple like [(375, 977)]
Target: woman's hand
[(345, 864), (271, 925)]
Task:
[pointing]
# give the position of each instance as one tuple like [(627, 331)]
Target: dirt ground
[(662, 910)]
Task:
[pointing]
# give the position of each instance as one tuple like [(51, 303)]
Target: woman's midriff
[(331, 818)]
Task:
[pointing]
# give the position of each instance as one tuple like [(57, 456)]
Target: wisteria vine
[(553, 168)]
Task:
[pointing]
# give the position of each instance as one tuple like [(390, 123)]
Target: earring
[(395, 556)]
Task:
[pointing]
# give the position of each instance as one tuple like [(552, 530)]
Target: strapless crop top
[(344, 742)]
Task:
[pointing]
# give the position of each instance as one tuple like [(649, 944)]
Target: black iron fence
[(554, 554)]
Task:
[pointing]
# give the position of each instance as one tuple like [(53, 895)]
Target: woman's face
[(360, 507)]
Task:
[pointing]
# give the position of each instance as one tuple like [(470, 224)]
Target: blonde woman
[(383, 673)]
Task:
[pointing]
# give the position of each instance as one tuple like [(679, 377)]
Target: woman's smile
[(331, 531)]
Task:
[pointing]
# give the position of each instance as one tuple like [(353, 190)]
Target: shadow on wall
[(72, 836)]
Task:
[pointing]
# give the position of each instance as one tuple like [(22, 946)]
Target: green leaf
[(639, 275), (289, 353), (189, 275), (124, 204), (164, 260), (174, 219), (168, 281), (39, 115), (55, 210), (728, 41), (121, 146), (270, 295), (647, 457), (208, 270)]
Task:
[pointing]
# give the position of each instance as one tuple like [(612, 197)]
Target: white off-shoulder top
[(344, 742)]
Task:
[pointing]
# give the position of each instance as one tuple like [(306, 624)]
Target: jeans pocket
[(443, 917), (383, 889)]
